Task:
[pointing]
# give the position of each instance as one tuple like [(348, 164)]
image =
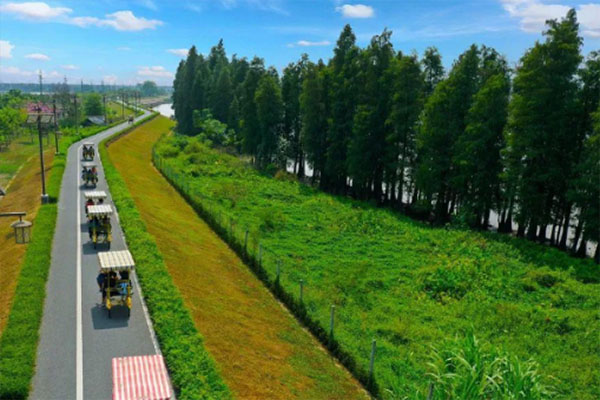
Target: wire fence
[(272, 270)]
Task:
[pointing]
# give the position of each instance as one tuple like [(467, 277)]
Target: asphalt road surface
[(77, 339)]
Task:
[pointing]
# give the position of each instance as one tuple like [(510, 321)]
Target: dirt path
[(23, 195), (261, 349)]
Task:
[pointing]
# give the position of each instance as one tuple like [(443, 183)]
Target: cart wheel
[(128, 312), (94, 245), (109, 245), (109, 316)]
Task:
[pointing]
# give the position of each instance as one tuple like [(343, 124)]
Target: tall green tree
[(477, 157), (542, 113), (407, 82), (250, 124), (92, 104), (367, 145), (344, 92), (444, 120), (433, 70), (269, 107), (222, 96), (291, 86), (314, 111)]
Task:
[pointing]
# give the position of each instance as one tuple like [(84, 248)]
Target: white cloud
[(308, 43), (123, 48), (120, 20), (15, 74), (533, 14), (589, 17), (82, 22), (38, 57), (35, 10), (126, 21), (155, 71), (110, 79), (70, 67), (356, 11), (178, 52), (6, 49)]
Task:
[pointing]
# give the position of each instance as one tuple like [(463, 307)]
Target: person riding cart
[(88, 151), (100, 227), (116, 289), (89, 174), (92, 198)]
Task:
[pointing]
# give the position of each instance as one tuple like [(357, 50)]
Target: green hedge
[(18, 344), (192, 370)]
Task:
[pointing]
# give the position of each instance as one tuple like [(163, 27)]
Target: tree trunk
[(542, 233), (582, 251), (577, 234), (565, 232)]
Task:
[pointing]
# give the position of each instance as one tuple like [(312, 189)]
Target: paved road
[(77, 339)]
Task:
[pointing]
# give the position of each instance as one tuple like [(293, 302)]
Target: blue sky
[(126, 42)]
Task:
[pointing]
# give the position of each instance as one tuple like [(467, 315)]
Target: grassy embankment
[(405, 284), (25, 273), (17, 153), (261, 349), (192, 370), (22, 195)]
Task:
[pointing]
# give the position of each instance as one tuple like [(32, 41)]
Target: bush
[(466, 370)]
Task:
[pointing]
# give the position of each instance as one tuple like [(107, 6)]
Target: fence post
[(331, 321), (373, 345), (301, 291), (246, 242)]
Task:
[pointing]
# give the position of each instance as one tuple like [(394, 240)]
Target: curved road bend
[(77, 340)]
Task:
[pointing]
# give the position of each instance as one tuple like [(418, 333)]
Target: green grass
[(19, 340), (192, 369), (18, 152), (407, 285)]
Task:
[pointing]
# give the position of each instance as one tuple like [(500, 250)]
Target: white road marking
[(79, 327)]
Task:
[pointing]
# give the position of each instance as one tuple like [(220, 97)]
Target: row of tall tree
[(382, 125)]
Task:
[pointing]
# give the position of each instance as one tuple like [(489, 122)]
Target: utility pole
[(55, 123), (76, 114), (104, 101), (123, 105), (81, 85), (39, 126), (41, 88)]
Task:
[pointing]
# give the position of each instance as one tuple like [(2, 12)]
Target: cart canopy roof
[(88, 144), (88, 164), (116, 260), (95, 194), (100, 210)]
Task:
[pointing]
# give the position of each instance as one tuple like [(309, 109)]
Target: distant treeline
[(382, 125), (148, 88)]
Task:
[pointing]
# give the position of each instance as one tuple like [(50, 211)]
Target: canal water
[(165, 109)]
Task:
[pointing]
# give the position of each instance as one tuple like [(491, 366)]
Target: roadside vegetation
[(407, 285), (482, 145), (191, 368), (261, 350)]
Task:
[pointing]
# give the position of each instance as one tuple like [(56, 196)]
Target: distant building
[(94, 120), (39, 107)]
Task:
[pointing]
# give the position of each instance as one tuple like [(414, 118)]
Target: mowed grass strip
[(23, 195), (408, 285), (261, 349)]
